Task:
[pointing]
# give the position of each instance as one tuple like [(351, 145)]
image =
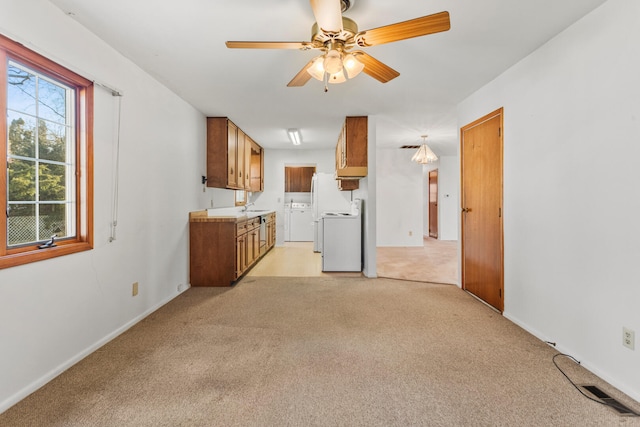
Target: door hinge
[(500, 292), (499, 212), (499, 131)]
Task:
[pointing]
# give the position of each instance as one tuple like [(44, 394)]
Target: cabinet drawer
[(241, 228)]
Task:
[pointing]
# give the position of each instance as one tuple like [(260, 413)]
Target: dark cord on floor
[(578, 388)]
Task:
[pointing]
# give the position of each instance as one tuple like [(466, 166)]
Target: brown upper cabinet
[(351, 150), (297, 179), (348, 184), (234, 160)]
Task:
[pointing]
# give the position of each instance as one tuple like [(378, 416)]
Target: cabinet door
[(290, 179), (232, 155), (271, 231), (342, 143), (296, 180), (306, 177), (240, 159), (355, 142), (351, 149), (240, 255), (255, 245), (257, 166), (268, 234), (338, 154), (247, 163)]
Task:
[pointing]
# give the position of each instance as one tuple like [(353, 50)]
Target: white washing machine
[(298, 222), (342, 239)]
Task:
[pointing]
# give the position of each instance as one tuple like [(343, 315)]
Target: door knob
[(465, 210)]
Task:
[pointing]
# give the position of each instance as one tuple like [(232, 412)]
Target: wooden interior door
[(482, 224), (433, 204)]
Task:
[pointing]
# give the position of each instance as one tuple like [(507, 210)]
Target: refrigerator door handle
[(314, 197)]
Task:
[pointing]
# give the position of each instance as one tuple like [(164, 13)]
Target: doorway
[(433, 203), (481, 148)]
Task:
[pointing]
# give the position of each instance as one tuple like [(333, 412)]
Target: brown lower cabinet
[(222, 249)]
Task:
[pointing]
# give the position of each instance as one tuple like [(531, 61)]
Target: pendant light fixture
[(424, 154)]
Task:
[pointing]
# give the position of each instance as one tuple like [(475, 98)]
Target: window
[(46, 185)]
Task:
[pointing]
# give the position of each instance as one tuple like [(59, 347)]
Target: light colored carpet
[(320, 352), (435, 262)]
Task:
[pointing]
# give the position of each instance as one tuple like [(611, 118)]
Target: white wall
[(448, 197), (400, 194), (54, 312), (366, 191), (571, 177)]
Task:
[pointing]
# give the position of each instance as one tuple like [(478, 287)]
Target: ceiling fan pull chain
[(326, 81)]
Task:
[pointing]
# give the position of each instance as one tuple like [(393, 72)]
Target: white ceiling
[(181, 43)]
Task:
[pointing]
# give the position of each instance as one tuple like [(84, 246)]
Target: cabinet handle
[(231, 171)]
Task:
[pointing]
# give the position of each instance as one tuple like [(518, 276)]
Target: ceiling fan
[(336, 36)]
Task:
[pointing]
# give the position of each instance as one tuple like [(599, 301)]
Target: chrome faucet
[(244, 208)]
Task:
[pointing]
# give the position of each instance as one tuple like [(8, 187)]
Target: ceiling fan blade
[(269, 45), (302, 77), (328, 14), (376, 69), (417, 27)]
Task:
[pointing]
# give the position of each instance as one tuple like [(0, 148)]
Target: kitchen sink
[(257, 210)]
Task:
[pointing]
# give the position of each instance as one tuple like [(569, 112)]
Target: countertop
[(226, 215)]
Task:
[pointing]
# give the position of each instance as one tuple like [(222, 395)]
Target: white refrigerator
[(325, 197)]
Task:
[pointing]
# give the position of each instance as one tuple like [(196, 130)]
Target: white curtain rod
[(113, 91)]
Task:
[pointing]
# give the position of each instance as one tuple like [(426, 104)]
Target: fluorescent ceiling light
[(294, 136)]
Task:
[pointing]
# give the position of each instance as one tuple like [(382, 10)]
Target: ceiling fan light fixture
[(352, 65), (317, 69), (349, 63), (337, 78), (333, 62)]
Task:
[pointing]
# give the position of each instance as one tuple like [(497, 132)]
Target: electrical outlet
[(410, 233), (180, 287), (628, 338), (134, 289)]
